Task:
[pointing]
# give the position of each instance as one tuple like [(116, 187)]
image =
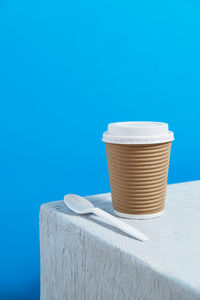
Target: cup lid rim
[(138, 132)]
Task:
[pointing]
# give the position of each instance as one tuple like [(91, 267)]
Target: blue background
[(67, 68)]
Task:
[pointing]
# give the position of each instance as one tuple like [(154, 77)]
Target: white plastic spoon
[(81, 205)]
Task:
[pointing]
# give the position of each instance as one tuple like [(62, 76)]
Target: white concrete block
[(83, 258)]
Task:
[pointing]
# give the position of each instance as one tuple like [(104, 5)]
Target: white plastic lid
[(137, 133)]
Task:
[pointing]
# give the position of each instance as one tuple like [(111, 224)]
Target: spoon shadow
[(109, 226)]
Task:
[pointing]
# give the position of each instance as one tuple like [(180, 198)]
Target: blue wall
[(67, 68)]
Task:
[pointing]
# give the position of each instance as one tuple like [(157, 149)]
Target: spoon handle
[(120, 224)]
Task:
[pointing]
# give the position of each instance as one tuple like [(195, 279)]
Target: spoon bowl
[(78, 204)]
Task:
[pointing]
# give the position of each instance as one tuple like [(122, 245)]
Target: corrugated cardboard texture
[(138, 176)]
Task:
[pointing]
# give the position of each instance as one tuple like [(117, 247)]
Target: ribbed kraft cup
[(138, 176)]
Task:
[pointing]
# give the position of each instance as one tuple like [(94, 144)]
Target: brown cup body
[(138, 177)]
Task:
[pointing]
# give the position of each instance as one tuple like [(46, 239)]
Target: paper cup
[(138, 156)]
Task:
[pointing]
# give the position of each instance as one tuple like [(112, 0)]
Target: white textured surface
[(84, 258)]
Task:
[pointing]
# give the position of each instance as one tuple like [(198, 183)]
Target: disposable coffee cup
[(138, 156)]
